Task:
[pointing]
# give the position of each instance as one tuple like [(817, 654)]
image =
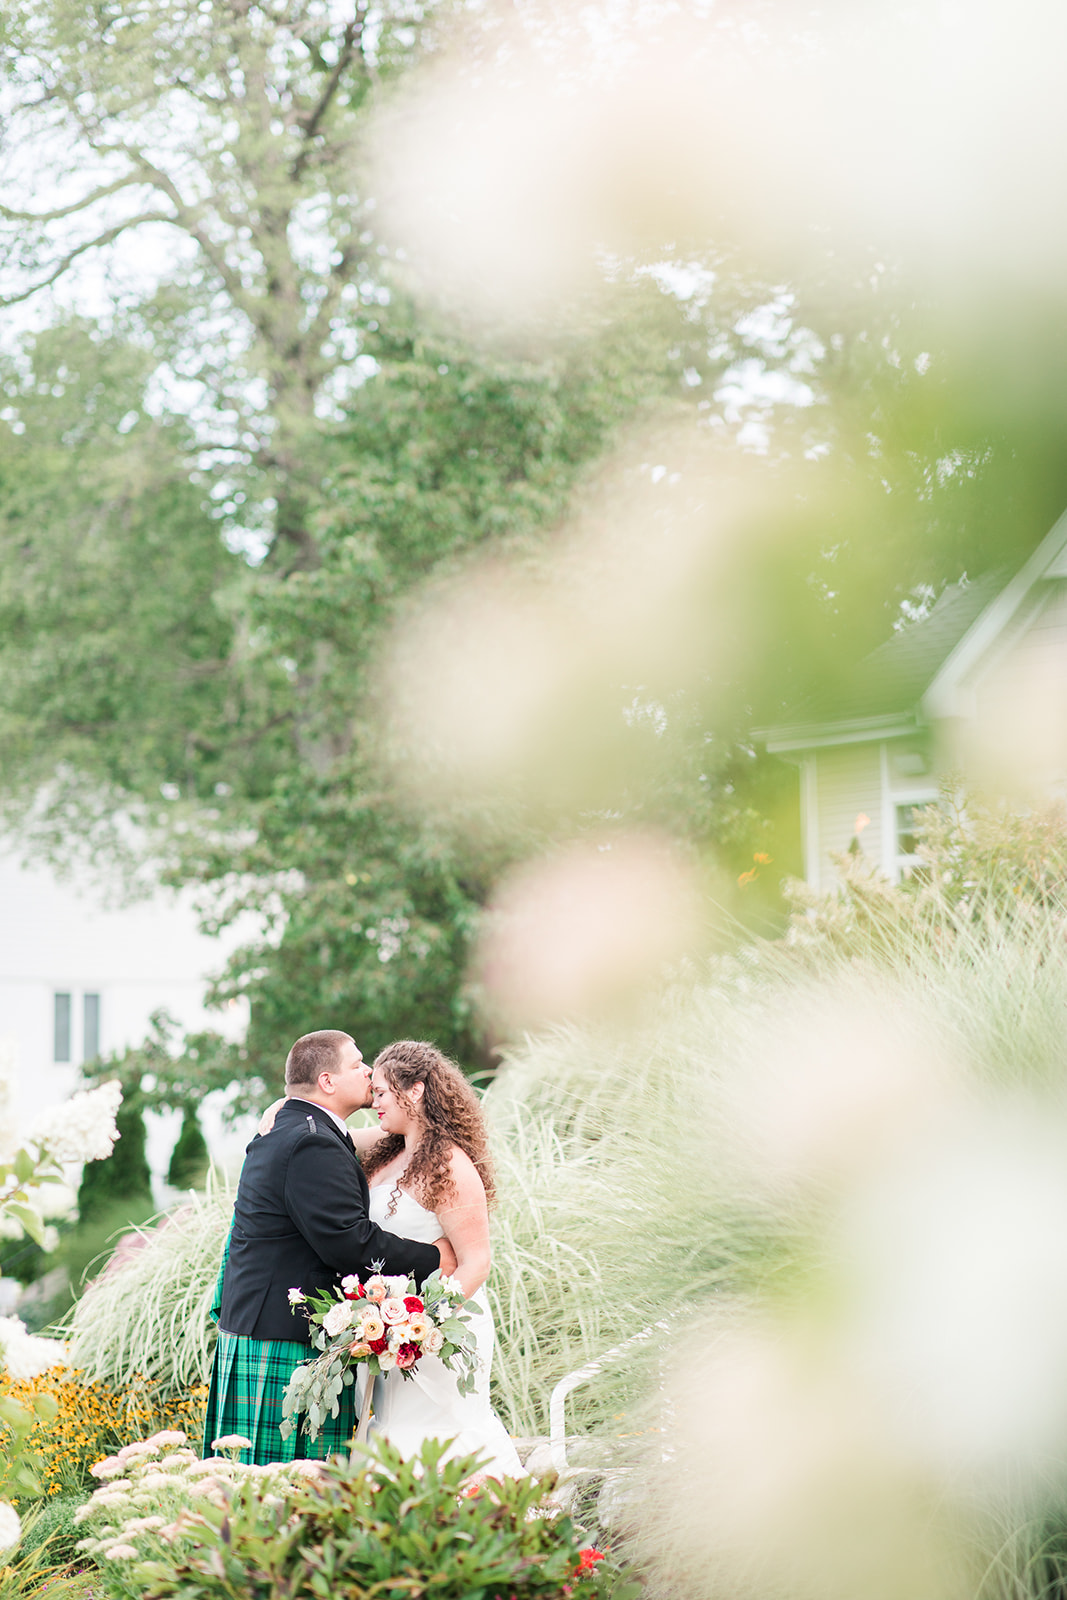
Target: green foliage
[(123, 1178), (20, 1464), (39, 1565), (983, 871), (189, 1159), (375, 1525), (53, 1525)]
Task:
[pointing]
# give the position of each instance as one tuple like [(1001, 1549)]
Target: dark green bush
[(52, 1524), (374, 1526), (189, 1160), (124, 1177)]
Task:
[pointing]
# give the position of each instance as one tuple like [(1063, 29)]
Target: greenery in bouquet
[(386, 1323)]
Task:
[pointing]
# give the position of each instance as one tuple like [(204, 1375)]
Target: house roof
[(922, 672)]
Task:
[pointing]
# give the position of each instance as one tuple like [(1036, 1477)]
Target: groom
[(299, 1221)]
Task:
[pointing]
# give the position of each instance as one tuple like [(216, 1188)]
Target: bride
[(428, 1167)]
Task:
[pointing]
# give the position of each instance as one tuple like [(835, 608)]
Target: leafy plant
[(52, 1523), (374, 1525)]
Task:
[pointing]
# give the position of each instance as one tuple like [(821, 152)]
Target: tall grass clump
[(146, 1316)]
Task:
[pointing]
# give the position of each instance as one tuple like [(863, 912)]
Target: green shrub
[(189, 1160), (125, 1175), (370, 1525), (53, 1525)]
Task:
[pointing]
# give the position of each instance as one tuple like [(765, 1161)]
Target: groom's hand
[(448, 1256)]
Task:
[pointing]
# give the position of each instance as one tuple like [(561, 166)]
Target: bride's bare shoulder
[(466, 1179)]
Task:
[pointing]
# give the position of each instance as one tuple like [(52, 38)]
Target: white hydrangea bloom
[(83, 1128), (10, 1526), (25, 1355)]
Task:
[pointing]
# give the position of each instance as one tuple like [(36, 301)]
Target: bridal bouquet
[(384, 1323)]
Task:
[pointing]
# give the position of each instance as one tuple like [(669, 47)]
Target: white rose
[(397, 1286), (387, 1360), (394, 1310), (338, 1318), (433, 1341)]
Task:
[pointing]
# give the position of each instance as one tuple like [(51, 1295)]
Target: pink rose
[(407, 1355), (394, 1310)]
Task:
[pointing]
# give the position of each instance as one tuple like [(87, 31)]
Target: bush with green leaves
[(52, 1525), (372, 1524)]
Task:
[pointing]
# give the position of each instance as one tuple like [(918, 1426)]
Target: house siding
[(848, 785), (1017, 735)]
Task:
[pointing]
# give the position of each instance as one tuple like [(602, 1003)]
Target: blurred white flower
[(26, 1355), (10, 1526), (121, 1552), (83, 1128)]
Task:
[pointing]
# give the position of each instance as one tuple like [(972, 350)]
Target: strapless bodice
[(408, 1220)]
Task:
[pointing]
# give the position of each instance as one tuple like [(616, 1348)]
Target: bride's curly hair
[(450, 1113)]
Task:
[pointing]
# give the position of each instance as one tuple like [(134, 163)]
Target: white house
[(79, 977), (978, 687)]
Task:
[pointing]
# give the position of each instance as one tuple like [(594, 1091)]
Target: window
[(908, 833), (90, 1026), (61, 1029)]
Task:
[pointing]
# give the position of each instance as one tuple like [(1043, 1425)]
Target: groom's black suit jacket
[(300, 1221)]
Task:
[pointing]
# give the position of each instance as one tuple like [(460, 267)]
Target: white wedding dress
[(427, 1405)]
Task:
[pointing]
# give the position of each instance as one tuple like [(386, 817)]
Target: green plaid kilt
[(248, 1379)]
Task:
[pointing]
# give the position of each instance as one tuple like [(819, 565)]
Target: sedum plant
[(164, 1524)]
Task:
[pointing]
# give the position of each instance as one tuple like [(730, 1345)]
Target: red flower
[(413, 1303), (407, 1355), (356, 1293), (378, 1345), (587, 1560)]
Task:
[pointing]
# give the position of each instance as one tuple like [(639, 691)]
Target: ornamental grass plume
[(148, 1314)]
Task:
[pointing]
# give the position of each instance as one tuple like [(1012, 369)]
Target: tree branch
[(312, 120), (77, 205), (186, 217), (91, 244)]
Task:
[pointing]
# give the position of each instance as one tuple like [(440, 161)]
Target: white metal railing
[(557, 1429)]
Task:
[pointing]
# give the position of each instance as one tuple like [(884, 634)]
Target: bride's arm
[(465, 1218), (362, 1138), (365, 1138)]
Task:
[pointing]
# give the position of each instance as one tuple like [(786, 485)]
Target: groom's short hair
[(314, 1053)]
